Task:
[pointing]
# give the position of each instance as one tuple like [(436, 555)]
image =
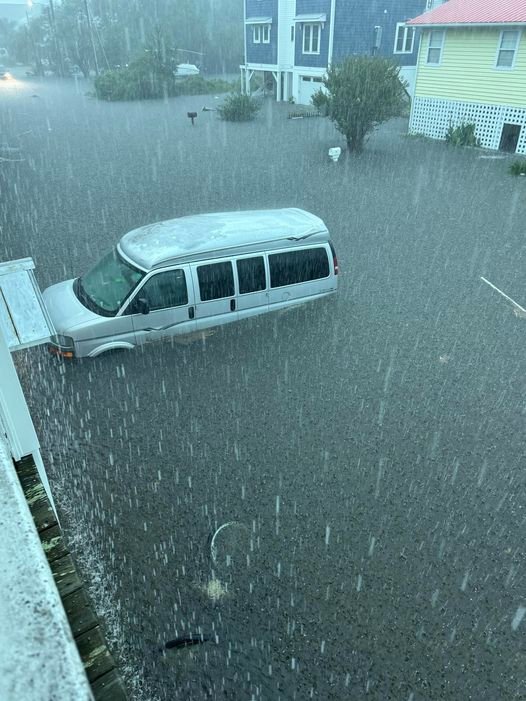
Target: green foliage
[(197, 85), (123, 29), (320, 100), (463, 135), (518, 167), (363, 91), (239, 108), (144, 79), (148, 78)]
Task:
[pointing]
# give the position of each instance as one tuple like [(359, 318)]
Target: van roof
[(157, 244)]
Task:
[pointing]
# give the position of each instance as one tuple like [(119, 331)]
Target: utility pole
[(90, 28), (58, 47)]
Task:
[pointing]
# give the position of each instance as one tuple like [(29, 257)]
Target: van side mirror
[(142, 306)]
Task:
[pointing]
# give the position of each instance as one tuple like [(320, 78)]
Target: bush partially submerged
[(320, 100), (147, 79), (360, 93), (239, 108), (518, 167), (463, 135)]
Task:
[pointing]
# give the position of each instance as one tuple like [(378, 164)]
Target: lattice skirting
[(433, 117)]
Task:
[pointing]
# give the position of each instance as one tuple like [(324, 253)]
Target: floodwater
[(366, 451)]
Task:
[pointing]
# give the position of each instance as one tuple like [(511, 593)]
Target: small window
[(434, 50), (266, 34), (251, 274), (164, 290), (215, 281), (509, 42), (405, 39), (311, 38), (292, 33), (256, 34), (298, 266)]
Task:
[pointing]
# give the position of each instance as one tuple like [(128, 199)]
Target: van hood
[(64, 308)]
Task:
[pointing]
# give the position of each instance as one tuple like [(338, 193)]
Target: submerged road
[(368, 451)]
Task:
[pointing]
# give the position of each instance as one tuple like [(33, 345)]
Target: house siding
[(355, 22), (467, 71), (262, 53), (305, 7), (467, 88)]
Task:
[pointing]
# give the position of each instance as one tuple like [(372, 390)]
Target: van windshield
[(107, 285)]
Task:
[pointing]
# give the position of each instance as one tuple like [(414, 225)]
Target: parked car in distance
[(188, 274)]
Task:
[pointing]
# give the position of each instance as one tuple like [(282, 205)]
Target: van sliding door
[(253, 285), (215, 293)]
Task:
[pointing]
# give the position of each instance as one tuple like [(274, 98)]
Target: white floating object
[(335, 153), (185, 69), (24, 320), (517, 307)]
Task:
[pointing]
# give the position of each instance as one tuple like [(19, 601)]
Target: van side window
[(215, 281), (164, 290), (298, 266), (251, 274)]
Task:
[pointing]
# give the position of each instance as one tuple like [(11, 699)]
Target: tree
[(359, 94)]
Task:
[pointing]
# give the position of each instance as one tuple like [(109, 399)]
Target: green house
[(471, 68)]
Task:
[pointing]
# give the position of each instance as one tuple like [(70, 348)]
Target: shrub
[(197, 85), (463, 135), (146, 79), (239, 108), (518, 167), (362, 92), (320, 100), (143, 79)]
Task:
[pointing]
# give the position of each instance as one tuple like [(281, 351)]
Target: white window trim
[(515, 50), (261, 33), (432, 64), (399, 26), (311, 25)]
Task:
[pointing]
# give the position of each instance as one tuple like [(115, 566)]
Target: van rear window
[(298, 266)]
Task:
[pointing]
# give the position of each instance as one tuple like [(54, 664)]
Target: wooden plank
[(98, 662), (94, 654), (65, 574), (35, 494), (80, 614), (26, 466), (40, 508), (109, 687), (53, 543), (28, 479)]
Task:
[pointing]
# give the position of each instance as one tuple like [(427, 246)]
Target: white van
[(184, 275)]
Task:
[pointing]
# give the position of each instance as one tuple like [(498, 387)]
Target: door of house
[(308, 85), (510, 137)]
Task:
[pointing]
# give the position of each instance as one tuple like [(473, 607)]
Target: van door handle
[(232, 305), (191, 312)]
